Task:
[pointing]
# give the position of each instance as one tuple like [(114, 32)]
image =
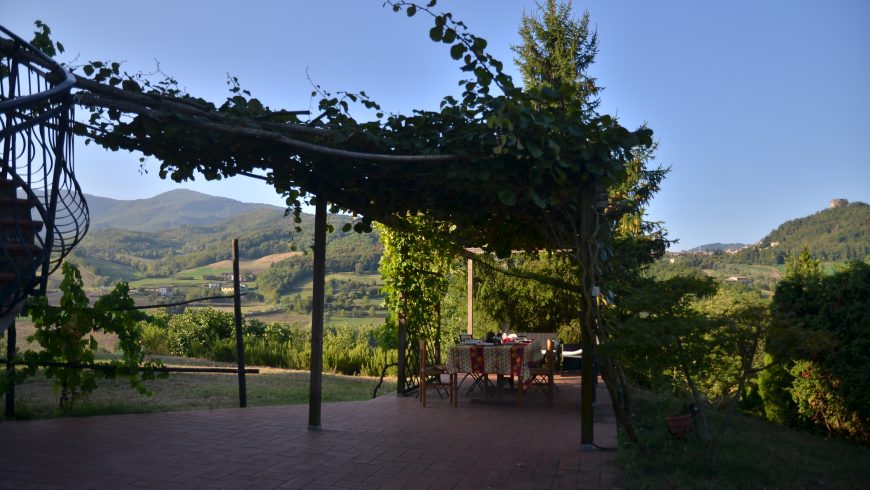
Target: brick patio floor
[(390, 442)]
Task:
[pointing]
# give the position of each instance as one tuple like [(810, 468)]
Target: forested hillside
[(832, 235), (118, 254), (168, 210)]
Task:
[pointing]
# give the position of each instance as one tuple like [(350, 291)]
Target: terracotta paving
[(390, 442)]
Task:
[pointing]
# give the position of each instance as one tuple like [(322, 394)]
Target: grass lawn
[(750, 453), (196, 391)]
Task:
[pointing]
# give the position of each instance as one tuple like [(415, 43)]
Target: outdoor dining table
[(508, 359)]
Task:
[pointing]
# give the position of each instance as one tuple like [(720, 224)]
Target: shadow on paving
[(389, 442)]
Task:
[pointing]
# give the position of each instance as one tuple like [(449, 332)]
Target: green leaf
[(539, 202), (412, 9), (507, 197), (88, 69), (457, 50), (449, 36), (130, 86), (436, 34), (479, 44), (347, 227), (553, 145)]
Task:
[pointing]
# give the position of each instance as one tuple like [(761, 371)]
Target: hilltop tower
[(837, 203)]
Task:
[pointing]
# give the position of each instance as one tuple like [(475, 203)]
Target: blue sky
[(761, 109)]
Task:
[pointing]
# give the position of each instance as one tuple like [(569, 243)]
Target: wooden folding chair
[(542, 376), (430, 378)]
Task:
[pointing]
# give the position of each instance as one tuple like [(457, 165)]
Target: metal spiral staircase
[(43, 213)]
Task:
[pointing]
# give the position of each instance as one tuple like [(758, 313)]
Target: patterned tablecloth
[(508, 359)]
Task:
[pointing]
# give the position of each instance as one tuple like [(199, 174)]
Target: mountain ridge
[(164, 211)]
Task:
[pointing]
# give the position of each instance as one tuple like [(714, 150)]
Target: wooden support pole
[(470, 298), (240, 338), (402, 384), (587, 378), (10, 370), (317, 305)]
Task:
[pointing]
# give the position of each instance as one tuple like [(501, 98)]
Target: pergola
[(517, 170)]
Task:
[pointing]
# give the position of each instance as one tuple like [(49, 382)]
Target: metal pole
[(10, 371), (240, 338), (317, 305)]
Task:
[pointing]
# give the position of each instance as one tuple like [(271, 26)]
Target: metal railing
[(43, 213)]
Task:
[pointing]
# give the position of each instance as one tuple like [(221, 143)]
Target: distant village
[(223, 283)]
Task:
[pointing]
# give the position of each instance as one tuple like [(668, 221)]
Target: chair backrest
[(422, 360), (539, 336), (465, 336), (551, 356)]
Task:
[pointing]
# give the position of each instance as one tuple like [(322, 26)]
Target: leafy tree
[(525, 304), (677, 332), (821, 339), (741, 320)]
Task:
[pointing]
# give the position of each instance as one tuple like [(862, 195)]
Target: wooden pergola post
[(317, 306), (240, 338), (587, 373), (10, 370), (470, 300)]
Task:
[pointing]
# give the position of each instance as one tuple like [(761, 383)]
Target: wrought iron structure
[(43, 213)]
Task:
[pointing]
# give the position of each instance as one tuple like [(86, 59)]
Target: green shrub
[(193, 332), (155, 339), (254, 327), (223, 350), (774, 387), (819, 398), (277, 332), (210, 334)]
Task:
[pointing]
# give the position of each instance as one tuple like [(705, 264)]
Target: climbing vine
[(414, 267), (65, 335)]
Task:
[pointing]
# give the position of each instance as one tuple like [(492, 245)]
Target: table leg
[(521, 386)]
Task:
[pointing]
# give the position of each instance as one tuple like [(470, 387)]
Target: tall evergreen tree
[(554, 57), (557, 50)]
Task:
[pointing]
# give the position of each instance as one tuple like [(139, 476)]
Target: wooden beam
[(317, 305)]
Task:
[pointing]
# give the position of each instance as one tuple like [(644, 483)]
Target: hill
[(112, 253), (832, 235), (168, 210)]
